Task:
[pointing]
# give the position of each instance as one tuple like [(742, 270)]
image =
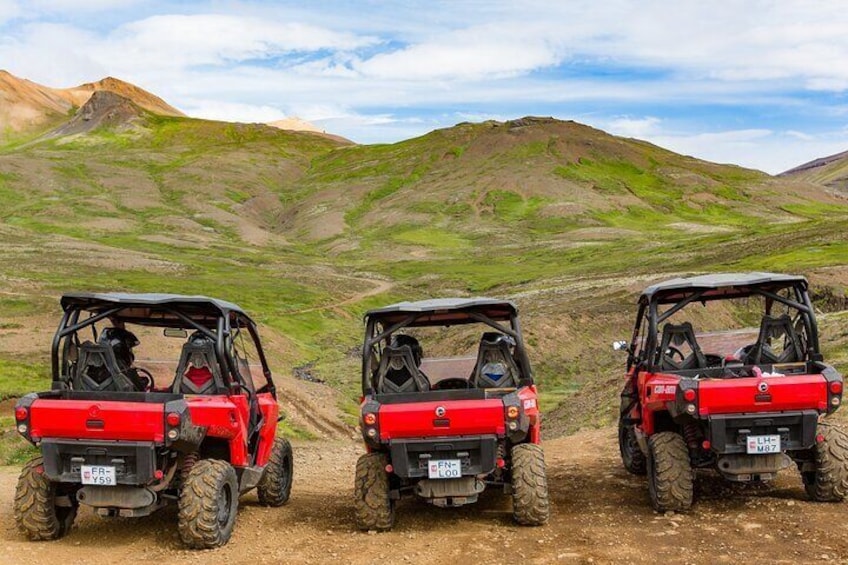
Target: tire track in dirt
[(312, 407)]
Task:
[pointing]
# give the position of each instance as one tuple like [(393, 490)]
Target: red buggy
[(744, 403), (446, 428), (128, 435)]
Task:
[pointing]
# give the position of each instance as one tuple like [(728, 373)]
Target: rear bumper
[(729, 433), (477, 455), (134, 461)]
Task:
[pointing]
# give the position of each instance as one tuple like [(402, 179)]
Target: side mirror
[(619, 346)]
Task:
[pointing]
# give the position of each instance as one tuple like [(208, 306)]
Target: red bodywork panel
[(732, 395), (461, 417), (223, 417), (270, 412), (81, 419), (530, 405)]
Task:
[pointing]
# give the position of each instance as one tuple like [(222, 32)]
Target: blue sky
[(758, 83)]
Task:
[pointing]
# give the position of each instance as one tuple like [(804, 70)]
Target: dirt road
[(600, 515)]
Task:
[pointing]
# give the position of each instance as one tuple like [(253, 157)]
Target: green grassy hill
[(306, 232)]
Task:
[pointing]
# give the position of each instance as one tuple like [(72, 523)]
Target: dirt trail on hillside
[(379, 286), (600, 515)]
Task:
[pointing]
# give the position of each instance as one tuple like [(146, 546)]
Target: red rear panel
[(461, 417), (728, 396), (87, 419)]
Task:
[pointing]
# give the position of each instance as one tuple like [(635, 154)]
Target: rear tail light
[(835, 387), (21, 413), (173, 419), (389, 468), (370, 419), (512, 412), (819, 438), (689, 395)]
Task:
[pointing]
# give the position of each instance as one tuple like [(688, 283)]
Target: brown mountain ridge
[(27, 107)]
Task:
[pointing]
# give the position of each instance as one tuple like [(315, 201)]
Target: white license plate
[(444, 469), (764, 444), (103, 475)]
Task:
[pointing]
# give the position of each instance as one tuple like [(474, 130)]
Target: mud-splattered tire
[(631, 454), (530, 504), (373, 507), (276, 483), (828, 482), (670, 476), (208, 504), (36, 512)]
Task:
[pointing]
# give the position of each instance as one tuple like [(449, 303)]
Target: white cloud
[(492, 50), (75, 6), (633, 127), (231, 111), (215, 39), (800, 135), (9, 9)]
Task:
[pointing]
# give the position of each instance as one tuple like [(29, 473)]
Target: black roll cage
[(376, 332), (223, 336), (649, 308)]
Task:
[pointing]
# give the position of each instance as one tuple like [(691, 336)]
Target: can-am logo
[(440, 411), (762, 386)]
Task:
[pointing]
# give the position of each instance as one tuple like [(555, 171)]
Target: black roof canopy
[(445, 311), (719, 285), (153, 309)]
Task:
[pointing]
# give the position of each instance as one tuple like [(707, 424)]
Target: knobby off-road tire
[(631, 454), (373, 508), (275, 486), (670, 476), (208, 504), (829, 481), (530, 504), (36, 512)]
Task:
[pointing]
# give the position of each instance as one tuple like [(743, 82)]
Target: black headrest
[(495, 367), (399, 371), (676, 335)]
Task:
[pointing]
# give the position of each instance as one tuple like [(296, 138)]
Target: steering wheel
[(145, 374), (671, 351)]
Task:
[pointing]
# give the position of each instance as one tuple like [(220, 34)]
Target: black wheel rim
[(225, 502)]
